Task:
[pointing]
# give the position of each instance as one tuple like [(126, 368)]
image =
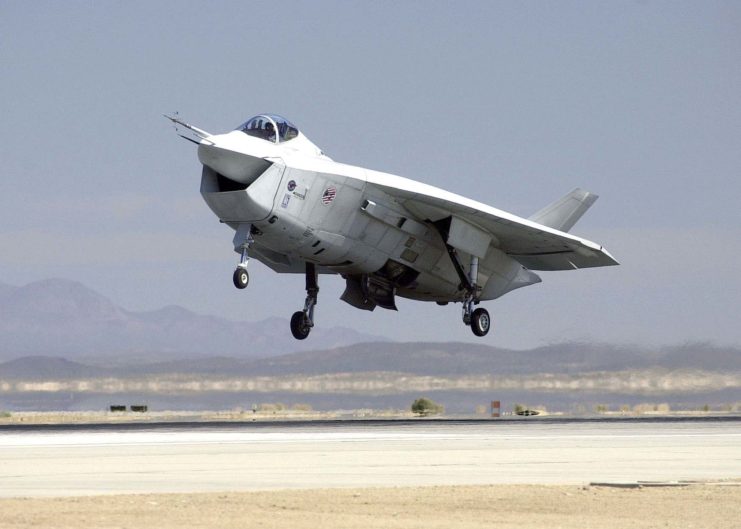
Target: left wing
[(534, 245)]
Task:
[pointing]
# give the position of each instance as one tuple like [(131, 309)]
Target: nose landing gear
[(303, 320), (242, 242)]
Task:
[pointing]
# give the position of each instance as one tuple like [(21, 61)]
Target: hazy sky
[(510, 103)]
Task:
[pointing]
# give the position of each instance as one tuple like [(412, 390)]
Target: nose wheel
[(241, 278)]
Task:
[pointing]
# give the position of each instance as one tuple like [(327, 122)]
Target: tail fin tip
[(566, 211)]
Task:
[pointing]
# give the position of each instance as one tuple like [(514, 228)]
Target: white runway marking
[(79, 462)]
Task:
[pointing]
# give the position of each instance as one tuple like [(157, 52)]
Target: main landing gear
[(478, 319), (303, 320)]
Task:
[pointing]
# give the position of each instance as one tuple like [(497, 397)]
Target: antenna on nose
[(201, 134)]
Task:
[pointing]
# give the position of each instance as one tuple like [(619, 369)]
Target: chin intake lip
[(236, 166)]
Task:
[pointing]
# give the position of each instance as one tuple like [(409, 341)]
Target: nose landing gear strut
[(242, 242)]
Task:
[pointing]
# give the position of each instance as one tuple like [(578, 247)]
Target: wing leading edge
[(535, 246)]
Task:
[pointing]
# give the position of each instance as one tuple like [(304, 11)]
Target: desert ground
[(697, 506)]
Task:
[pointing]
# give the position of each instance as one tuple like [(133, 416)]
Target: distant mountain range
[(64, 346), (429, 359), (58, 317), (457, 358)]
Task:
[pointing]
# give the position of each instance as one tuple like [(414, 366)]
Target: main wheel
[(241, 278), (480, 322), (299, 326)]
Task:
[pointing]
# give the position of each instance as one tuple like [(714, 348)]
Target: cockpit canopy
[(265, 125)]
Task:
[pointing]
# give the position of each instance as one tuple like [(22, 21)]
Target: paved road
[(78, 461)]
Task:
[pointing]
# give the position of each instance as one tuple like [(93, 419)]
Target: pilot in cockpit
[(271, 128), (269, 132)]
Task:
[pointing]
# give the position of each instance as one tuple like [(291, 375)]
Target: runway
[(39, 462)]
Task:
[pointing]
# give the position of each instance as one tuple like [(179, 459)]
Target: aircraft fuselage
[(298, 211), (305, 208)]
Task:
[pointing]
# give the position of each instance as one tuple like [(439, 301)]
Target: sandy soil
[(99, 417), (499, 506)]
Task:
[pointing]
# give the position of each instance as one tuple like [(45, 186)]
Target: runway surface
[(82, 460)]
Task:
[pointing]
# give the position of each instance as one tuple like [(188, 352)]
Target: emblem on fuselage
[(291, 185), (328, 195)]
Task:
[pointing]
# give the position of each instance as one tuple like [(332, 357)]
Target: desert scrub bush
[(424, 406)]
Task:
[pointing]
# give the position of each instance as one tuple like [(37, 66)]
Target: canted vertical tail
[(566, 211)]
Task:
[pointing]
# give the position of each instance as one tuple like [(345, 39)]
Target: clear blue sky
[(511, 103)]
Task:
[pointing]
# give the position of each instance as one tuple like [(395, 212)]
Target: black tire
[(241, 278), (299, 327), (480, 322)]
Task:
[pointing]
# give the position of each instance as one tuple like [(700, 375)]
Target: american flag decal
[(329, 195)]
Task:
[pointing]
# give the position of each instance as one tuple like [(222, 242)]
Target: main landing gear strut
[(478, 319), (303, 320)]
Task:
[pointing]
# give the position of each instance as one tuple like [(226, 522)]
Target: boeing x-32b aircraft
[(297, 211)]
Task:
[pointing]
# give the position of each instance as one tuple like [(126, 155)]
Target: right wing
[(534, 245)]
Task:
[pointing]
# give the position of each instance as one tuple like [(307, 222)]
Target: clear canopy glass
[(265, 125)]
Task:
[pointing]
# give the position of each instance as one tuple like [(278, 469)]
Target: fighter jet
[(299, 212)]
